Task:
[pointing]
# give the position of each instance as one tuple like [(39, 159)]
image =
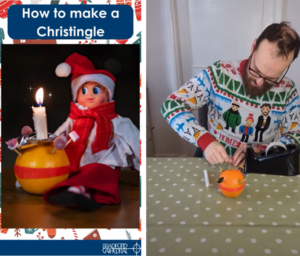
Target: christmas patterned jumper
[(233, 117)]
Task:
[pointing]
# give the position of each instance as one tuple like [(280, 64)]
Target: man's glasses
[(267, 80)]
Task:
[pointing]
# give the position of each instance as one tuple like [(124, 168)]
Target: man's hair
[(286, 38), (266, 105)]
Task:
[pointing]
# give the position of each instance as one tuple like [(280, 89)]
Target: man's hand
[(215, 153), (239, 156)]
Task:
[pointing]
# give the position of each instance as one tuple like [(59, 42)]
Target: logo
[(120, 249), (115, 248)]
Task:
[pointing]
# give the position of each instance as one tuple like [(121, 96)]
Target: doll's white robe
[(123, 151)]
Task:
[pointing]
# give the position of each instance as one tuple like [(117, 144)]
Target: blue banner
[(67, 247), (70, 22)]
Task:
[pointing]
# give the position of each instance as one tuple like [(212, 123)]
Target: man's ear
[(253, 45)]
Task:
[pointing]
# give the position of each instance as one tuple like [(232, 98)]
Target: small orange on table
[(231, 183), (37, 170)]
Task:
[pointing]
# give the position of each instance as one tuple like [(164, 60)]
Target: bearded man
[(259, 85)]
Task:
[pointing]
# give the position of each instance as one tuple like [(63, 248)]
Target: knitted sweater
[(221, 87)]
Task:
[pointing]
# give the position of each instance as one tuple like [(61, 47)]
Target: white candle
[(206, 178), (39, 117)]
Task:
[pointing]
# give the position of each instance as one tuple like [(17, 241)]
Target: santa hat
[(84, 71), (250, 118)]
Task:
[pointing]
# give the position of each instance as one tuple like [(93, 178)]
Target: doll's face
[(92, 94)]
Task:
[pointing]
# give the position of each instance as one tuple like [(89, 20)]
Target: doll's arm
[(131, 135), (61, 133), (113, 135), (66, 127)]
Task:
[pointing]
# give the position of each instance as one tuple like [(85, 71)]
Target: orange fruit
[(37, 170), (233, 183)]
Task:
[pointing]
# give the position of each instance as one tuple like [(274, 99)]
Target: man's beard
[(265, 113), (249, 88)]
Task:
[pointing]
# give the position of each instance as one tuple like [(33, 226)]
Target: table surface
[(23, 210), (184, 217)]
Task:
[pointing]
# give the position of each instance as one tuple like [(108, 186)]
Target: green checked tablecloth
[(184, 217)]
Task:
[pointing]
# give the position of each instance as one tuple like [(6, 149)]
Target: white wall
[(161, 76), (292, 15), (176, 52)]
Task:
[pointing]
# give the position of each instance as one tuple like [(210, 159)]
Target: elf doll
[(106, 141)]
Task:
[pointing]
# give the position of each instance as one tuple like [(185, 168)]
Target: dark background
[(25, 66)]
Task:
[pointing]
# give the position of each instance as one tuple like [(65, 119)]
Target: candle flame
[(39, 96)]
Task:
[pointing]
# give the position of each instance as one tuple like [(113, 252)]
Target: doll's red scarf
[(84, 122)]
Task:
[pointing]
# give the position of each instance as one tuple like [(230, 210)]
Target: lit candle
[(39, 116)]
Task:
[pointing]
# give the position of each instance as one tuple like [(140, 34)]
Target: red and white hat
[(84, 71)]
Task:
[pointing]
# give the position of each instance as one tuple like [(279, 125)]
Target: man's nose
[(259, 81)]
